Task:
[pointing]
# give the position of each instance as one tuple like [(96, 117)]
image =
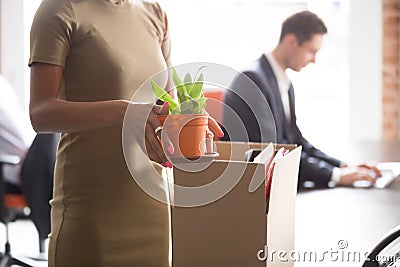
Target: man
[(271, 98)]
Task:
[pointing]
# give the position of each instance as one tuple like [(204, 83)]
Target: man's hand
[(374, 169), (361, 172)]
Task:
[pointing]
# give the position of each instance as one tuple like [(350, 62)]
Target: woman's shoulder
[(50, 10), (57, 4), (153, 6), (54, 7)]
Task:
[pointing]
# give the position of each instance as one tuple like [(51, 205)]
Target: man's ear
[(291, 40)]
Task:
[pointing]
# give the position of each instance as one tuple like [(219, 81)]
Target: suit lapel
[(282, 126)]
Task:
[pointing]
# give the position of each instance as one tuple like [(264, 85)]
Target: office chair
[(37, 187), (390, 242), (37, 173), (8, 259)]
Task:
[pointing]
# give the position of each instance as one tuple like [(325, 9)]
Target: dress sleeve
[(166, 43), (51, 32), (163, 30)]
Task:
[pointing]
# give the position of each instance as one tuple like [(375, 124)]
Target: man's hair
[(303, 25)]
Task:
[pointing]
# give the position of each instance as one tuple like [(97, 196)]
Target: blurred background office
[(355, 81), (354, 85)]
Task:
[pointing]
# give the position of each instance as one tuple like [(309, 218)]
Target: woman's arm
[(49, 114)]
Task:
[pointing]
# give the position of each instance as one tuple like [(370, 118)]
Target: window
[(236, 32)]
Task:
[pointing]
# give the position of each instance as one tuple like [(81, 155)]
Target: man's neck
[(279, 57)]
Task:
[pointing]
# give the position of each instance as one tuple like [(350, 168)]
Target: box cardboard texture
[(233, 229)]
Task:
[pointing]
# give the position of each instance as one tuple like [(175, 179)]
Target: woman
[(87, 59)]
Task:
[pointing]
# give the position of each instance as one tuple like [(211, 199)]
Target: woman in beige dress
[(87, 59)]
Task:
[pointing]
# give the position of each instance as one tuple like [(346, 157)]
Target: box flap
[(281, 214), (236, 150)]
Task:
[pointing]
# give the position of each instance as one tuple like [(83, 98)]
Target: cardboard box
[(223, 221)]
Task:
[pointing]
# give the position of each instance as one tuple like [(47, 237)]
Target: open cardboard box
[(225, 224)]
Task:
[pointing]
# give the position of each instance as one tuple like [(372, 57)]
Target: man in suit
[(262, 100)]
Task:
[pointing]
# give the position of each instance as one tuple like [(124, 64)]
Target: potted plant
[(186, 124)]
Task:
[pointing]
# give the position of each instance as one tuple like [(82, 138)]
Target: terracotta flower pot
[(187, 133)]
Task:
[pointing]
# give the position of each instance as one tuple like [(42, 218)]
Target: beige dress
[(100, 216)]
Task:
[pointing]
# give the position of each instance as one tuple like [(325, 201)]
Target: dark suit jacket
[(315, 165)]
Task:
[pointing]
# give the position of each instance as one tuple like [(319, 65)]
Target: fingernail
[(163, 164), (170, 150), (168, 164)]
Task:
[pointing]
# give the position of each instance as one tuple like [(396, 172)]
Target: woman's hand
[(154, 148), (142, 125), (214, 127)]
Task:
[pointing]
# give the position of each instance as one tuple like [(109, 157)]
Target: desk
[(360, 217)]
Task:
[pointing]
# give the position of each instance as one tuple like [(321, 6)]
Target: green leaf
[(190, 107), (202, 67), (180, 87), (160, 93), (181, 93), (197, 87), (176, 111), (175, 78), (187, 79), (177, 81), (188, 82), (163, 95), (202, 104), (190, 93)]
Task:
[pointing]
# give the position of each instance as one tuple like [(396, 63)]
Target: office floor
[(328, 223), (23, 239)]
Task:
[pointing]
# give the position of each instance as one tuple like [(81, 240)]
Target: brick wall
[(391, 70)]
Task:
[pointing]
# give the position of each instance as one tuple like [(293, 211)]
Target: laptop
[(390, 171)]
